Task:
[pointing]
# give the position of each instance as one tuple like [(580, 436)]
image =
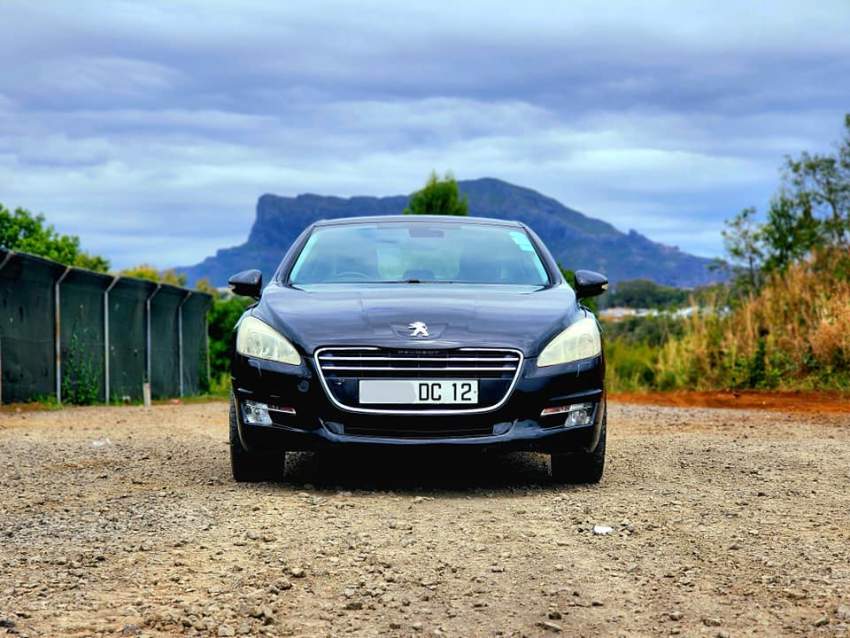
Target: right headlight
[(258, 339), (580, 341)]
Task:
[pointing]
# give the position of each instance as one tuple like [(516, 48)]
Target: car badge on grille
[(418, 329)]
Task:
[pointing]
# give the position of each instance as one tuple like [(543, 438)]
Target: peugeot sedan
[(418, 331)]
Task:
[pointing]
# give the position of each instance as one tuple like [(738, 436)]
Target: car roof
[(451, 219)]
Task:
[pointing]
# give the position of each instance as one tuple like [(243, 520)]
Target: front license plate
[(404, 391)]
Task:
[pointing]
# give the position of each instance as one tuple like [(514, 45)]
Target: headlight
[(258, 339), (580, 341)]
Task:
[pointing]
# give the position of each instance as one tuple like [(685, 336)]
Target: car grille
[(339, 366), (396, 364)]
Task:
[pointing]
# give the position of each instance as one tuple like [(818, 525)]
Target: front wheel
[(581, 467), (252, 467)]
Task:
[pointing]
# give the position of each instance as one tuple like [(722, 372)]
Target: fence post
[(207, 345), (3, 265), (57, 337), (148, 352), (106, 338), (180, 336)]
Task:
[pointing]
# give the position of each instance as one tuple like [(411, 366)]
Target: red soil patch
[(803, 401)]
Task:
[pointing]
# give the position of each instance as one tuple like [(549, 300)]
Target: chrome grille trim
[(323, 360), (411, 369), (334, 357)]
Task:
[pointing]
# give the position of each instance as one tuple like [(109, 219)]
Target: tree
[(204, 285), (789, 234), (22, 231), (439, 197), (644, 293), (821, 184), (743, 241), (150, 273), (223, 316)]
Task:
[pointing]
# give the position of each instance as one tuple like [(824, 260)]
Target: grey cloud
[(153, 126)]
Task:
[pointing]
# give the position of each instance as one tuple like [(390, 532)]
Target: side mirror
[(590, 284), (247, 283)]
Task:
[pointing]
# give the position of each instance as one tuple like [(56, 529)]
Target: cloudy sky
[(150, 128)]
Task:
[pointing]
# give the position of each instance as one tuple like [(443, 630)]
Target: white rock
[(602, 530)]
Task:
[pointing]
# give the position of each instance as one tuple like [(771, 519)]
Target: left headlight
[(580, 341), (258, 339)]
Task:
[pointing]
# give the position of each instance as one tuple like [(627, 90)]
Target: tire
[(581, 467), (252, 467)]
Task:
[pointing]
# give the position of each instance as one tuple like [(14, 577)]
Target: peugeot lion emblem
[(418, 329)]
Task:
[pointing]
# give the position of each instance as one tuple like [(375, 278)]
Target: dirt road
[(124, 521)]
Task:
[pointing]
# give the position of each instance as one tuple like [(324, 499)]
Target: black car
[(418, 330)]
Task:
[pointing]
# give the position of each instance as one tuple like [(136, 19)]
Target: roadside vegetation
[(783, 319)]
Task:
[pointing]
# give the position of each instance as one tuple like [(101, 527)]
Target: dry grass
[(795, 333)]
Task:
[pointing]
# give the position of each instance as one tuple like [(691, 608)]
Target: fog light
[(256, 413), (502, 428), (577, 414)]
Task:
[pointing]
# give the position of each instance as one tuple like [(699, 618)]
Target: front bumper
[(515, 426)]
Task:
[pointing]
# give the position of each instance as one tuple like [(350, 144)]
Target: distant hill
[(576, 240)]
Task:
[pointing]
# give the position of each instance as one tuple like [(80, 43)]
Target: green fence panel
[(195, 356), (82, 336), (27, 356), (127, 338), (165, 366)]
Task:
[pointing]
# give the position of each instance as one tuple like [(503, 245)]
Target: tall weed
[(794, 333)]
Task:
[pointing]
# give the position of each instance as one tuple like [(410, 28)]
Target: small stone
[(602, 530), (497, 569), (711, 622), (353, 604), (676, 615), (554, 615), (722, 634), (297, 572), (820, 622), (549, 626), (226, 630), (843, 612)]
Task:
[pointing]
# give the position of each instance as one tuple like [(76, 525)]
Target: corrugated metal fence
[(79, 335)]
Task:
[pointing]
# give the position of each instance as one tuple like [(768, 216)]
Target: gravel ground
[(124, 521)]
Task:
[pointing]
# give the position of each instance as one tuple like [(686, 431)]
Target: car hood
[(456, 315)]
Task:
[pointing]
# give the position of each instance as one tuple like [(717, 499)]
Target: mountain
[(576, 240)]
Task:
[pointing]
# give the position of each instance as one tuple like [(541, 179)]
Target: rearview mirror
[(247, 283), (590, 284)]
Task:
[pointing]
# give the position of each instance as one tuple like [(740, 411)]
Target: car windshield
[(419, 252)]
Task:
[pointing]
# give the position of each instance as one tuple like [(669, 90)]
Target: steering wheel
[(352, 274)]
